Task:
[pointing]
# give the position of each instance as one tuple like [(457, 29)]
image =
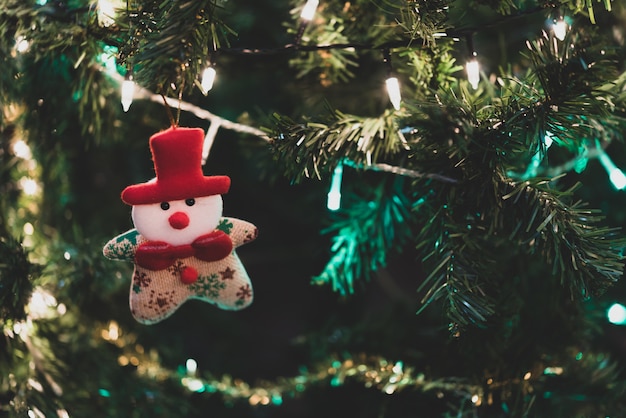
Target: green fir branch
[(16, 279), (370, 224), (63, 45), (358, 22), (571, 68), (420, 20), (504, 7), (586, 6), (312, 149), (330, 66), (169, 43), (585, 256), (478, 143), (430, 68), (476, 216), (453, 280)]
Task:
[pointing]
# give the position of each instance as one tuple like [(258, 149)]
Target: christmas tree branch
[(401, 171), (586, 259), (16, 275), (544, 378), (143, 93), (201, 113), (172, 40), (313, 147), (364, 233)]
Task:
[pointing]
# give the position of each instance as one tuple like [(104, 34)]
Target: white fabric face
[(152, 220)]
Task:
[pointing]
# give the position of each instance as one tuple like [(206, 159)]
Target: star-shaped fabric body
[(157, 294)]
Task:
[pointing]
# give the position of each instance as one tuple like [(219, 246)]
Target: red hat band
[(177, 156)]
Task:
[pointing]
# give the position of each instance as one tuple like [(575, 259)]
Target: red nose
[(179, 220)]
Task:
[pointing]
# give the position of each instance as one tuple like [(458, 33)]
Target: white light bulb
[(113, 332), (62, 413), (22, 150), (29, 229), (308, 11), (618, 178), (29, 186), (208, 77), (393, 89), (61, 309), (334, 201), (617, 314), (560, 29), (473, 72), (193, 384), (334, 195), (40, 303), (35, 412), (106, 12), (128, 91), (192, 366), (21, 44)]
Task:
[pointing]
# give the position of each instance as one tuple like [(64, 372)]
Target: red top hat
[(177, 155)]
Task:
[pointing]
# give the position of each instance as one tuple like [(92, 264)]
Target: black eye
[(190, 202), (165, 205)]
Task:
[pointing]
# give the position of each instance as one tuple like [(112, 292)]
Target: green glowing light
[(555, 371), (537, 159), (617, 314), (104, 393), (108, 59), (41, 2), (579, 356), (581, 165), (277, 399), (397, 368), (617, 177)]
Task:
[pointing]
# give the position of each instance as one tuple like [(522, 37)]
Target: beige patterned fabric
[(155, 295)]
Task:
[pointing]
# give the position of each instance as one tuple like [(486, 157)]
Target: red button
[(189, 275)]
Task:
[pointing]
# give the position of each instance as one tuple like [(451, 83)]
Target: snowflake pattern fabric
[(155, 295)]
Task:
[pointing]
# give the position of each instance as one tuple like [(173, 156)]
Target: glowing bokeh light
[(617, 314)]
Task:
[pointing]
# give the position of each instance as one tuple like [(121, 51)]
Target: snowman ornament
[(182, 247)]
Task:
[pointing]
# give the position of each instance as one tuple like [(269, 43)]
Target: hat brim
[(156, 191)]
